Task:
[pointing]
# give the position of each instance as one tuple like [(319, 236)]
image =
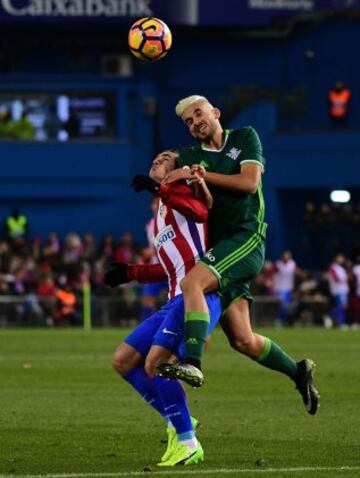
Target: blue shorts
[(166, 326), (154, 289)]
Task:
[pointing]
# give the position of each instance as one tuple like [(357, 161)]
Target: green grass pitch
[(65, 413)]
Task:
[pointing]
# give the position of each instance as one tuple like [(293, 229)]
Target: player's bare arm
[(201, 191), (247, 181), (178, 175)]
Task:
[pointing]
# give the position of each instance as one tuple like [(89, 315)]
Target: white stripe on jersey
[(179, 218), (339, 284), (175, 241)]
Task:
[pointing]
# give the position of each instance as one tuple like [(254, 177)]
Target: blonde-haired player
[(232, 164)]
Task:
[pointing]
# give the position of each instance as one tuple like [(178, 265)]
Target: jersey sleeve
[(180, 197), (146, 273), (252, 149)]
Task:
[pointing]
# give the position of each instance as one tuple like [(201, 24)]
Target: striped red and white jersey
[(338, 279), (179, 241)]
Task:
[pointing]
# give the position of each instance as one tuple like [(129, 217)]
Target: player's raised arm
[(249, 158), (201, 190), (175, 194), (247, 181), (122, 273), (181, 198)]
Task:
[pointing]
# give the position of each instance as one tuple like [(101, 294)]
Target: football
[(149, 39)]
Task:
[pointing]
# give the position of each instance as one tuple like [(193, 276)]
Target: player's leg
[(285, 298), (181, 428), (129, 359), (170, 337), (235, 279), (342, 306), (189, 368), (208, 275), (194, 286), (236, 325)]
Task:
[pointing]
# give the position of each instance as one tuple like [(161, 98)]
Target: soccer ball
[(149, 39)]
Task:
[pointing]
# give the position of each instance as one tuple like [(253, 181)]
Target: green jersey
[(232, 211)]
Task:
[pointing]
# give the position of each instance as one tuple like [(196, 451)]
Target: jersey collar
[(227, 134)]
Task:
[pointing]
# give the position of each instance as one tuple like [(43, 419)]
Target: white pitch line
[(221, 471)]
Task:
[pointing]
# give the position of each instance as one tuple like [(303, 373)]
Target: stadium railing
[(112, 311)]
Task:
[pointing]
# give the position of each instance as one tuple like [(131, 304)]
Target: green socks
[(275, 358), (196, 331)]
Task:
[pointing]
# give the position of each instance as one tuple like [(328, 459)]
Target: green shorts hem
[(241, 296), (213, 270)]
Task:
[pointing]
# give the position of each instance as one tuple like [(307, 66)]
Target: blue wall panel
[(85, 186), (77, 187)]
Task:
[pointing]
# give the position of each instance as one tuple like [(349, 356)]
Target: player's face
[(202, 119), (162, 165)]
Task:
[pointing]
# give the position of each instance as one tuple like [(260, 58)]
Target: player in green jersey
[(232, 164)]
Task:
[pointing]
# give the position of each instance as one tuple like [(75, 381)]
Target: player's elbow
[(252, 187)]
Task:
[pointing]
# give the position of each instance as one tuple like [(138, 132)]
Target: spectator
[(355, 289), (264, 282), (284, 283), (52, 249), (88, 248), (72, 254), (16, 225), (339, 103), (339, 290), (125, 251), (46, 291), (107, 249), (65, 309)]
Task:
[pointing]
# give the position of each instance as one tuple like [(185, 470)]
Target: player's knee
[(184, 285), (188, 285), (121, 364), (150, 367), (244, 345)]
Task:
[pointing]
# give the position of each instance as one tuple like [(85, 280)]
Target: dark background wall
[(85, 186)]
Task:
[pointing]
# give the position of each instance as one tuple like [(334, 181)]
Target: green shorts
[(236, 261)]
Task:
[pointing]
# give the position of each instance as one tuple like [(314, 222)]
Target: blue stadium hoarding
[(177, 12)]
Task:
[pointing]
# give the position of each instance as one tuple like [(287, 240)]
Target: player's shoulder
[(186, 154), (190, 148), (180, 187), (245, 132)]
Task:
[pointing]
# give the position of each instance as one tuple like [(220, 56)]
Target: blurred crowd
[(327, 229), (46, 280), (51, 274), (330, 298)]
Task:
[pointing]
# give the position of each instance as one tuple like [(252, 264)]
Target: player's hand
[(144, 183), (177, 175), (197, 179), (198, 170), (117, 274)]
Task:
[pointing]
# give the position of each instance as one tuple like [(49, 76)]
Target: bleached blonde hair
[(186, 102)]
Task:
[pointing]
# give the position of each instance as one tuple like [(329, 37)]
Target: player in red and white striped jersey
[(151, 292), (339, 289), (180, 241)]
